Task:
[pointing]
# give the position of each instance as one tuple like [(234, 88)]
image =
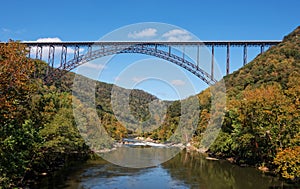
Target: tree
[(15, 83), (18, 137)]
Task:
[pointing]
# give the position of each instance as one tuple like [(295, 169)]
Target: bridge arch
[(149, 49)]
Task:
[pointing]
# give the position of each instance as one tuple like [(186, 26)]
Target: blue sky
[(92, 19)]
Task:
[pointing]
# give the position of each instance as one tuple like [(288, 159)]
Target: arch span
[(150, 50)]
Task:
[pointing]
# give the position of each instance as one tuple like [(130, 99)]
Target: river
[(185, 170)]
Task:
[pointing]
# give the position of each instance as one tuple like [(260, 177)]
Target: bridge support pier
[(51, 56), (245, 55), (63, 58), (212, 60), (89, 51), (262, 49), (183, 53), (39, 52), (198, 56), (76, 52), (228, 59), (29, 52)]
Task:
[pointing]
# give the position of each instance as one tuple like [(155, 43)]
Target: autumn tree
[(15, 83), (18, 137)]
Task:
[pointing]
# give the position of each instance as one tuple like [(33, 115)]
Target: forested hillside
[(262, 120), (38, 132)]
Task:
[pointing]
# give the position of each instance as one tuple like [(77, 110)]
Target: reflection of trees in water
[(197, 172), (140, 157)]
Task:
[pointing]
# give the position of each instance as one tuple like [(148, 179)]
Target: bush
[(287, 162)]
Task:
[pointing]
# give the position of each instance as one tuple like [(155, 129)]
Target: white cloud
[(138, 79), (148, 32), (175, 32), (177, 35), (178, 82), (94, 66), (49, 39)]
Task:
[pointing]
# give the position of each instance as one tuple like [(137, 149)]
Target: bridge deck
[(162, 43)]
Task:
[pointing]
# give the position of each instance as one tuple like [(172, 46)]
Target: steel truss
[(152, 48)]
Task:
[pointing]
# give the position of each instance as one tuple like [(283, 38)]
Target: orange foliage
[(15, 71)]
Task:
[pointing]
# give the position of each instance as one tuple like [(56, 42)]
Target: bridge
[(161, 49)]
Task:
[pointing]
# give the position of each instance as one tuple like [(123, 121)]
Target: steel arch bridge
[(146, 49), (161, 49)]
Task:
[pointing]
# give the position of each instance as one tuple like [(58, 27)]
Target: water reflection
[(116, 177), (197, 172), (140, 157), (185, 170)]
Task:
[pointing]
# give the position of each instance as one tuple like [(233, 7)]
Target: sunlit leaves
[(15, 72), (288, 163)]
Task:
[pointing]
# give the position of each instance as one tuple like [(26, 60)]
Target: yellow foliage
[(288, 163)]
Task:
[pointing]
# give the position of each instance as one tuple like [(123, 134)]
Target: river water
[(185, 170)]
